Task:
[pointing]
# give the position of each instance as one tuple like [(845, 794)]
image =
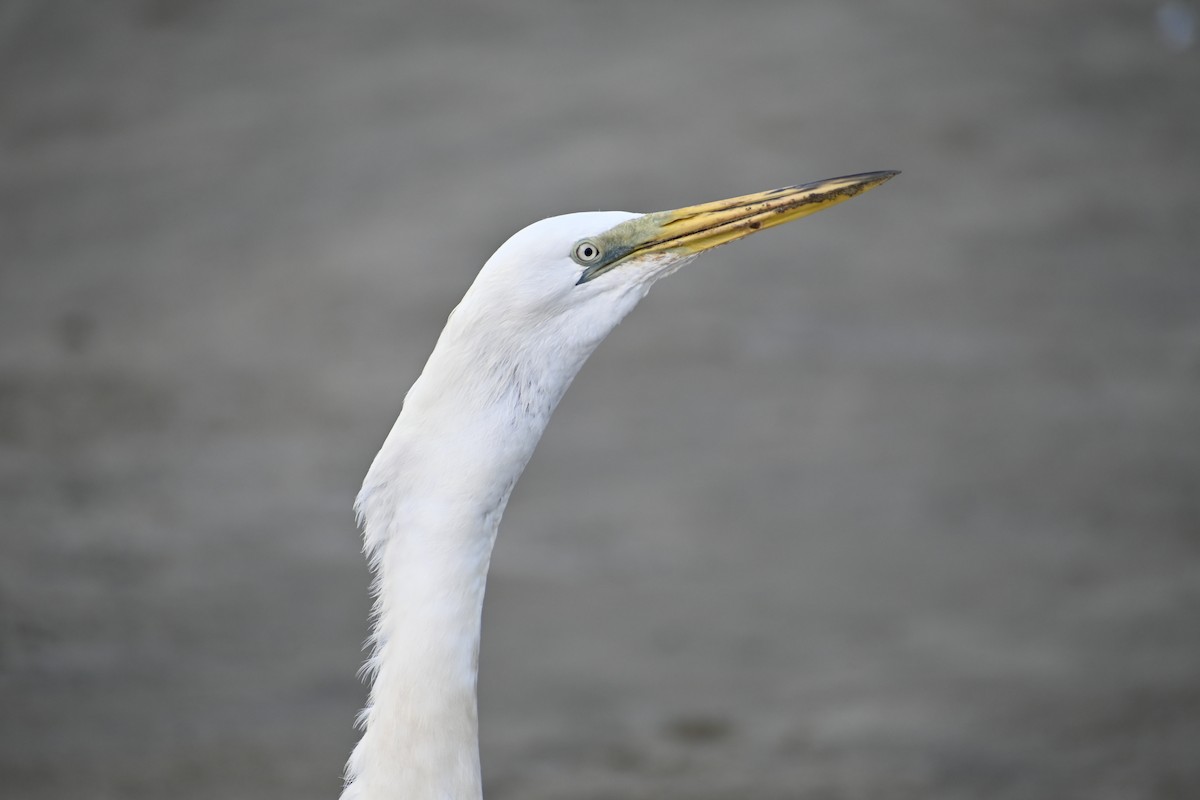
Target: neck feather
[(430, 507)]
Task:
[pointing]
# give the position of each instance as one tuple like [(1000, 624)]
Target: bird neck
[(430, 508), (420, 740)]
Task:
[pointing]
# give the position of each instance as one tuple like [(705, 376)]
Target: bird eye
[(587, 252)]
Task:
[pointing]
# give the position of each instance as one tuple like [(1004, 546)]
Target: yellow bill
[(694, 229)]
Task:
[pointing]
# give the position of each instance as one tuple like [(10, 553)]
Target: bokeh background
[(900, 501)]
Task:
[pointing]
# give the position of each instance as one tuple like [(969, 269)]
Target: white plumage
[(432, 500)]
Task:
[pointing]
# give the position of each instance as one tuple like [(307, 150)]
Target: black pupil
[(588, 252)]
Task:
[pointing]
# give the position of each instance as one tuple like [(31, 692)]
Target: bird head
[(565, 282)]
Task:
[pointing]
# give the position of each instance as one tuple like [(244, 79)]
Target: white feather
[(432, 500)]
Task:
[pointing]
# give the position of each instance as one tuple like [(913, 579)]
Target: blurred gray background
[(902, 501)]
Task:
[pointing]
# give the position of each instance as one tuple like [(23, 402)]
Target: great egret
[(432, 499)]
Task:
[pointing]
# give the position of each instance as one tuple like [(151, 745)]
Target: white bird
[(431, 502)]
